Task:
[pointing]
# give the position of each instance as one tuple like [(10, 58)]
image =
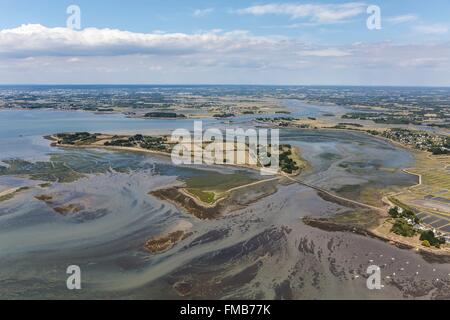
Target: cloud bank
[(58, 55), (38, 40)]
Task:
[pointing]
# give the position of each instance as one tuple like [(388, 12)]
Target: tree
[(402, 228), (432, 239), (411, 215), (393, 212)]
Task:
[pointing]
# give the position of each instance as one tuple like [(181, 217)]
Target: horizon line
[(225, 84)]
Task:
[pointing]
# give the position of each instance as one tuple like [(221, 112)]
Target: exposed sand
[(8, 192)]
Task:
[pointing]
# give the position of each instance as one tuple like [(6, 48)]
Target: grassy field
[(431, 198), (216, 181), (204, 196), (435, 172), (209, 186)]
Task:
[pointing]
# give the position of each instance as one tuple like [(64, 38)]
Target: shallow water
[(341, 159), (261, 251), (22, 131)]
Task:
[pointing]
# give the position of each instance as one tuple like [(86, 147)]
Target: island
[(205, 199)]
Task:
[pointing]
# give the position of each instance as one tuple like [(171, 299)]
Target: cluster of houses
[(418, 139), (421, 227)]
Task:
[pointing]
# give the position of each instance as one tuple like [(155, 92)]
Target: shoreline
[(400, 241), (225, 205), (154, 152), (195, 206), (101, 140), (436, 255), (9, 194), (126, 112), (201, 206), (8, 191)]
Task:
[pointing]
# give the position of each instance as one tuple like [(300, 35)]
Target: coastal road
[(328, 193)]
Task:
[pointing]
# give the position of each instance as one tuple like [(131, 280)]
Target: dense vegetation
[(224, 115), (287, 165), (403, 228), (351, 124), (76, 138), (405, 214), (405, 220), (428, 238), (164, 115), (146, 142)]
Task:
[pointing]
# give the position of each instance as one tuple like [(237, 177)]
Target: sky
[(322, 42)]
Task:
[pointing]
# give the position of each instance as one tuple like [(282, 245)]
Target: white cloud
[(432, 29), (423, 62), (319, 13), (73, 60), (37, 40), (203, 12), (329, 52), (35, 53), (403, 19)]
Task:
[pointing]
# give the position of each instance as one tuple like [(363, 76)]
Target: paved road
[(334, 195)]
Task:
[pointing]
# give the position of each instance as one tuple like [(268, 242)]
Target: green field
[(219, 182), (204, 196)]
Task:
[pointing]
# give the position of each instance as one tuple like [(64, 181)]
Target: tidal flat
[(259, 249)]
